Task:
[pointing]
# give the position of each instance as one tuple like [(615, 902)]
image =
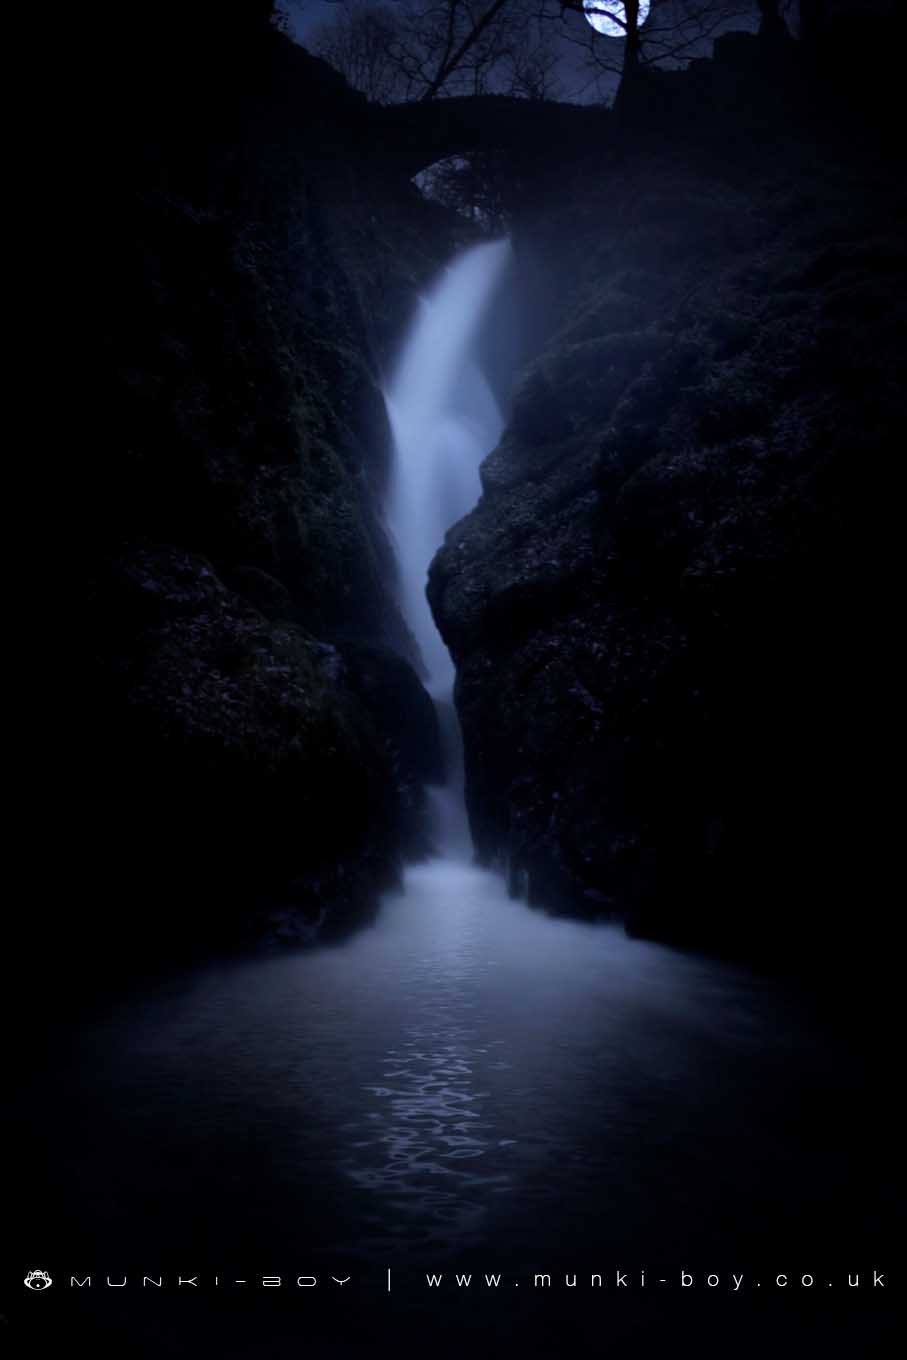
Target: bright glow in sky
[(600, 12)]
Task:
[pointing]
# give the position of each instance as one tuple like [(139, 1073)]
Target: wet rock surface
[(664, 610), (232, 755)]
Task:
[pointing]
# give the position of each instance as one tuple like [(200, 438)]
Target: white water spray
[(444, 420)]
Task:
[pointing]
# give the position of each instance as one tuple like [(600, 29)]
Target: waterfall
[(444, 419)]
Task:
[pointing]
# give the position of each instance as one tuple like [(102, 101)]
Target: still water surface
[(466, 1075)]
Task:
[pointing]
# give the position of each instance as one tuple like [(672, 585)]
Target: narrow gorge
[(460, 817), (656, 609)]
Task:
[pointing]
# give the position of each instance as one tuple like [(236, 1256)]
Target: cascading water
[(468, 1076), (444, 420)]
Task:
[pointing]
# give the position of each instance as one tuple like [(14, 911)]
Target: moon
[(610, 16)]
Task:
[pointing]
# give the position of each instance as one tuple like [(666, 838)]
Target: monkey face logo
[(38, 1279)]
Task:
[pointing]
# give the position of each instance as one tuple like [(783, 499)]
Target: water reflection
[(467, 1073)]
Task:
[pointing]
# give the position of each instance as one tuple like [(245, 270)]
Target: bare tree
[(360, 42), (671, 34), (458, 45), (419, 50)]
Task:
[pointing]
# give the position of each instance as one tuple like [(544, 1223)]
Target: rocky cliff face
[(660, 610), (252, 737), (663, 608)]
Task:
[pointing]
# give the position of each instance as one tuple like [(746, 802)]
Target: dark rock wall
[(251, 737), (665, 610)]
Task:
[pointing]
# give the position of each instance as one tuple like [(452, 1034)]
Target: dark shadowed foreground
[(468, 1086)]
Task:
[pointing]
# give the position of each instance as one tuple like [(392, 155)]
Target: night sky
[(579, 81), (306, 16)]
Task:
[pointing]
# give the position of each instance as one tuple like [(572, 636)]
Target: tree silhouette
[(673, 32), (412, 51), (420, 50)]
